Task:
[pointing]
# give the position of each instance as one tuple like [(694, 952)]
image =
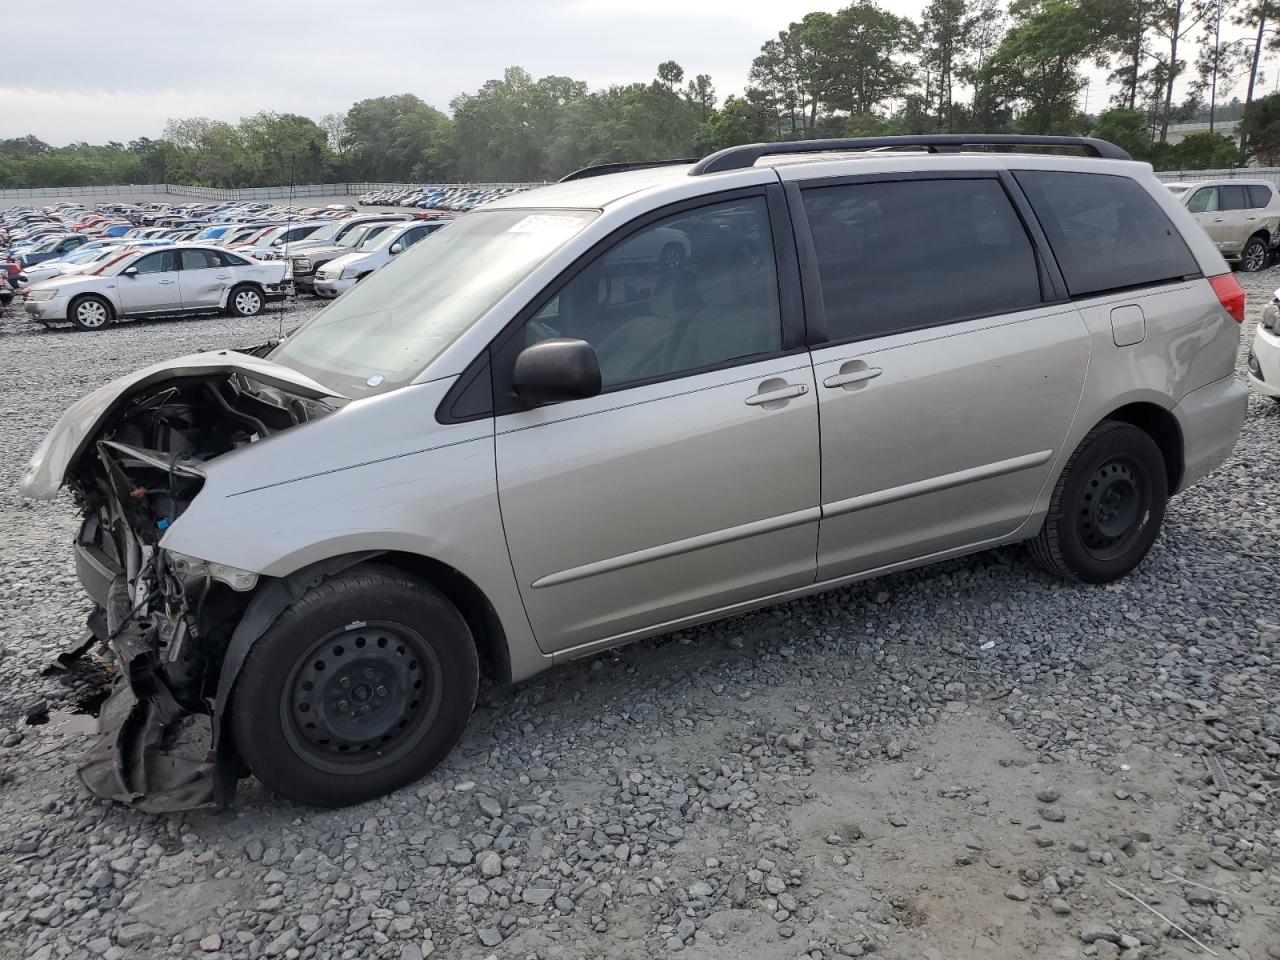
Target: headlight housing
[(350, 273), (301, 265), (1271, 317), (195, 568), (39, 295)]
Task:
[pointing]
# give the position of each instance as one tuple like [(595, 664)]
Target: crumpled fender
[(267, 604)]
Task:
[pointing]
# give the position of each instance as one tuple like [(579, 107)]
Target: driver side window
[(693, 291), (1204, 201), (156, 262)]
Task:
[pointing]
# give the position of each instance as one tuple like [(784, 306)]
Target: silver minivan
[(630, 402)]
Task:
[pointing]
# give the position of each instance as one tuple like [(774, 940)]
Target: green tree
[(862, 64), (670, 74), (1203, 151), (387, 138), (1260, 130)]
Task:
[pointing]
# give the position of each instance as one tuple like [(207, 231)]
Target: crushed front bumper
[(129, 763)]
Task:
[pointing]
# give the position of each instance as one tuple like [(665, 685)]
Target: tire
[(672, 257), (90, 312), (361, 686), (245, 301), (1106, 508), (1255, 255)]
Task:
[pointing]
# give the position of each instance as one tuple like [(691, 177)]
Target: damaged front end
[(134, 455)]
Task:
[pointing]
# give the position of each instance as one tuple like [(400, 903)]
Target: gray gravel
[(950, 763)]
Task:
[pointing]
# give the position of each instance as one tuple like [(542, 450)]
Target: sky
[(118, 72)]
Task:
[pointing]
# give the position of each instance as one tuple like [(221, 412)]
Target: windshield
[(85, 255), (381, 334), (330, 231)]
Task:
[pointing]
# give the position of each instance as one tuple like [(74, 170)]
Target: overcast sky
[(114, 71)]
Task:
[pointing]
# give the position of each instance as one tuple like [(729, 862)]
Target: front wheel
[(1255, 255), (361, 686), (245, 302), (90, 313), (1107, 506)]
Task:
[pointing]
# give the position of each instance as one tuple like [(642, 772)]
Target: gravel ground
[(967, 761)]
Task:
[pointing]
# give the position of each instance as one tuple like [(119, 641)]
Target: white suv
[(532, 437), (342, 273)]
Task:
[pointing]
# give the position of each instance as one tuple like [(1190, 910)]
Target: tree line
[(965, 66)]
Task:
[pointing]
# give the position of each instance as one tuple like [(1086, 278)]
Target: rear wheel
[(245, 302), (1255, 255), (363, 685), (90, 313), (1107, 506)]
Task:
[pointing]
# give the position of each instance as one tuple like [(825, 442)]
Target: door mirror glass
[(556, 370)]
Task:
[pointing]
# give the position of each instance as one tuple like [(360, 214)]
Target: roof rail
[(600, 169), (737, 158)]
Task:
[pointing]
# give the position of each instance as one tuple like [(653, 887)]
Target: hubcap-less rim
[(1112, 508), (247, 302), (1254, 257), (362, 697), (91, 314)]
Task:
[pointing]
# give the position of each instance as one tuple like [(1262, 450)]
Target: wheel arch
[(1161, 425), (273, 596), (240, 284)]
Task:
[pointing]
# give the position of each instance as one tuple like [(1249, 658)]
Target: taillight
[(1230, 294)]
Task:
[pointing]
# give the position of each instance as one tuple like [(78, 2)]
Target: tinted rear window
[(1106, 231), (1259, 195), (903, 255), (1232, 198)]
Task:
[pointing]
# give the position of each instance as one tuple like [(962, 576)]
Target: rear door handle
[(783, 393), (165, 283), (221, 276), (853, 376)]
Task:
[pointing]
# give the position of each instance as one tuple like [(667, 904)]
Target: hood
[(324, 250), (67, 280), (82, 420)]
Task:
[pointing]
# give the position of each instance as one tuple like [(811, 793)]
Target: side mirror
[(129, 272), (556, 370), (396, 248)]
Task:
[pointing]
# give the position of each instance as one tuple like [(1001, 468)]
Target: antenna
[(288, 263)]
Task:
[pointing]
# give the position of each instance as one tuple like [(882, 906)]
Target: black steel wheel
[(1107, 506), (361, 686), (362, 696)]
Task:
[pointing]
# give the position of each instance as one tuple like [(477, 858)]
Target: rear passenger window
[(1106, 231), (904, 255), (1232, 198), (1259, 195)]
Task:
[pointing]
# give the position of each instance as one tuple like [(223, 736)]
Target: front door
[(691, 482), (946, 384), (204, 279), (154, 288)]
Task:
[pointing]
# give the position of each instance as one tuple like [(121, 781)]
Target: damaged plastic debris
[(127, 764), (66, 658)]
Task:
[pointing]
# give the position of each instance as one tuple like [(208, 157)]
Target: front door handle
[(772, 396), (853, 376), (165, 283), (221, 276)]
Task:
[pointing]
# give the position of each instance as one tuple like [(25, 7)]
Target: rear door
[(948, 363), (691, 482), (155, 287), (204, 279)]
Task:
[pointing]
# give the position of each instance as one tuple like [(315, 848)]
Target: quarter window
[(1106, 231), (903, 255), (693, 291)]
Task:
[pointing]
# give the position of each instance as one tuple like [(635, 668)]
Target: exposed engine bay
[(166, 618)]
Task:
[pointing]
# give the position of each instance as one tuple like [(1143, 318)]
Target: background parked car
[(1242, 217), (186, 279), (342, 273)]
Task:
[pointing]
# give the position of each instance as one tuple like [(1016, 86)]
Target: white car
[(342, 273), (183, 279), (87, 258), (1264, 355)]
